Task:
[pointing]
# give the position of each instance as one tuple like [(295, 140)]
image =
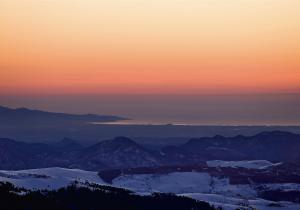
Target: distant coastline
[(184, 123)]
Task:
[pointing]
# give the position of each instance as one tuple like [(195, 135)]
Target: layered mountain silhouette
[(21, 155), (122, 152), (29, 116), (67, 144), (273, 146)]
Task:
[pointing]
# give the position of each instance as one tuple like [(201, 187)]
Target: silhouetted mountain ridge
[(122, 152), (24, 115), (273, 146), (67, 144)]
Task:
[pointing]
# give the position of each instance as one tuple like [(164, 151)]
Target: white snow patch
[(182, 182), (48, 178), (174, 182), (282, 186), (250, 164), (231, 203)]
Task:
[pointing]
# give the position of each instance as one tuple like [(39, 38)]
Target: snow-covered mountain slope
[(232, 203), (48, 178), (182, 182), (201, 186), (250, 164)]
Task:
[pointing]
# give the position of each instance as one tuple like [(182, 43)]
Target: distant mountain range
[(28, 125), (273, 146), (29, 116), (122, 152)]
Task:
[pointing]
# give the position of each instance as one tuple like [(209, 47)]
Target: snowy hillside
[(200, 186), (250, 164), (182, 182), (232, 203), (48, 178)]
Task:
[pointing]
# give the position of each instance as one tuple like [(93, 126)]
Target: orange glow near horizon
[(142, 46)]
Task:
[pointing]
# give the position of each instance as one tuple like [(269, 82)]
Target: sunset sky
[(143, 46)]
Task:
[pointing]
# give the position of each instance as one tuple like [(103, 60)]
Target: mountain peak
[(275, 133), (123, 140)]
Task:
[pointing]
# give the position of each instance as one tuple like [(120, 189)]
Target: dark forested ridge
[(92, 197)]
